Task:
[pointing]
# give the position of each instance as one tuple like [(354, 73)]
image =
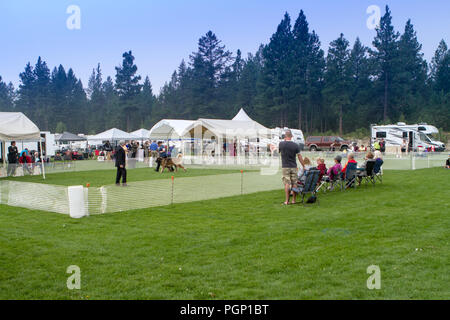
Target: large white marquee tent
[(167, 129)]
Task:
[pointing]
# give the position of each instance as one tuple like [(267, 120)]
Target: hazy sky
[(163, 32)]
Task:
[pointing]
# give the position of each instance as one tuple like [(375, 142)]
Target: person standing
[(289, 151), (382, 145), (121, 156), (162, 152), (13, 154)]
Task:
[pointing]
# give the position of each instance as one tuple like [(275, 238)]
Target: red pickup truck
[(331, 143)]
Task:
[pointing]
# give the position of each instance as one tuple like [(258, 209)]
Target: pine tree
[(128, 89), (337, 77), (386, 57), (274, 86)]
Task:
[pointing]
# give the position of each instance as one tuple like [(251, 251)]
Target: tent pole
[(4, 153), (42, 158)]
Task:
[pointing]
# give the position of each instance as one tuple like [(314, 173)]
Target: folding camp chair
[(367, 174), (350, 176), (330, 183), (311, 180), (378, 170)]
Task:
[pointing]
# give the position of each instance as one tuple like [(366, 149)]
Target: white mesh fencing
[(160, 192), (35, 196)]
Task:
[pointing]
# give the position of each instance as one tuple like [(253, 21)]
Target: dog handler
[(121, 155)]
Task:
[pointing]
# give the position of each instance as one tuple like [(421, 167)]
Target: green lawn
[(246, 247), (100, 178)]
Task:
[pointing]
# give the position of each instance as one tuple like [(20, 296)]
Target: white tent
[(169, 129), (242, 116), (15, 126), (242, 126), (142, 134), (113, 135)]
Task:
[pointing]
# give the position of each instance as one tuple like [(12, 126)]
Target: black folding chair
[(367, 174), (378, 170), (310, 186), (350, 176)]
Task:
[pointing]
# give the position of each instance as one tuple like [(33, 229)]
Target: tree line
[(288, 82)]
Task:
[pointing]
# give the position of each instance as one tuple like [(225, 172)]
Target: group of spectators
[(25, 159), (293, 176)]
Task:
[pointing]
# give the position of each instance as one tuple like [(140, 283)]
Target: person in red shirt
[(321, 167), (351, 159)]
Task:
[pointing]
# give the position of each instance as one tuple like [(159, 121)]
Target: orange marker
[(88, 185)]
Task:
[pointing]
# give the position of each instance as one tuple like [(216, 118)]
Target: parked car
[(316, 143)]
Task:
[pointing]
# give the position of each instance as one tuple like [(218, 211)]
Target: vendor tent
[(169, 129), (113, 135), (141, 134), (67, 137), (15, 126)]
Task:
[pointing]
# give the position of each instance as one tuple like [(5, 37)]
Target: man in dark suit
[(121, 155), (13, 157)]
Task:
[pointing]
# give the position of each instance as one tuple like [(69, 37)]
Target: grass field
[(245, 247)]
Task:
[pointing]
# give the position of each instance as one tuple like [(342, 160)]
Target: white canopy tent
[(113, 135), (241, 127), (169, 129), (141, 134), (15, 126)]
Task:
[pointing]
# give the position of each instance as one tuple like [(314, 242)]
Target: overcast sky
[(163, 32)]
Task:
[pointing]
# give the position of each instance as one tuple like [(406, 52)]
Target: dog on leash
[(169, 163)]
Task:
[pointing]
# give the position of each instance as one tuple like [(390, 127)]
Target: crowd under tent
[(241, 128), (15, 126)]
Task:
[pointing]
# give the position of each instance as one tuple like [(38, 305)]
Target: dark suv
[(326, 143)]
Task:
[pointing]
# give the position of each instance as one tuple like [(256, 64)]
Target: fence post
[(171, 200), (242, 182), (413, 161)]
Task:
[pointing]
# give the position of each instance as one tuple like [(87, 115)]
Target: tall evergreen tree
[(386, 57), (338, 77), (128, 89)]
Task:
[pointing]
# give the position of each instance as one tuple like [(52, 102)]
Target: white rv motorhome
[(278, 135), (418, 137)]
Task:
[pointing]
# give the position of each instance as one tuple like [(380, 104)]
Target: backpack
[(312, 199)]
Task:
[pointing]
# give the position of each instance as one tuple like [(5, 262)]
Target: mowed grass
[(98, 178), (246, 247)]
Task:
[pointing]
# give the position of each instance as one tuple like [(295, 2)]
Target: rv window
[(424, 137), (381, 134), (422, 129), (405, 134)]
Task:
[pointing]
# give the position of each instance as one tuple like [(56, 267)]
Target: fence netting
[(35, 196), (161, 192)]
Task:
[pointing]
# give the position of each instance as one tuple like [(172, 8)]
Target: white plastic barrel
[(77, 208)]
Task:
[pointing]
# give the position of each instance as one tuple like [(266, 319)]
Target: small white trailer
[(416, 137)]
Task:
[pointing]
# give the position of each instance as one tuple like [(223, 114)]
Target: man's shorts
[(290, 176)]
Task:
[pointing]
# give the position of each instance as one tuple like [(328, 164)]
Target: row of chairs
[(353, 177), (372, 173)]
